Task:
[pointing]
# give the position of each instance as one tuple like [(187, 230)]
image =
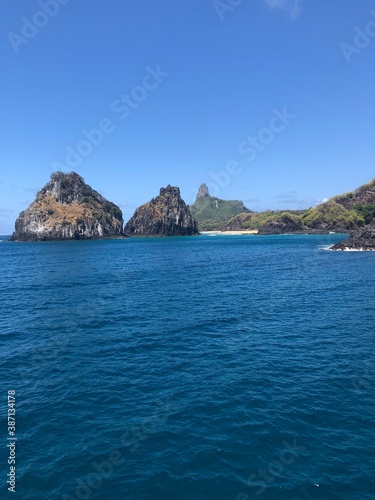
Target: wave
[(346, 249), (325, 247)]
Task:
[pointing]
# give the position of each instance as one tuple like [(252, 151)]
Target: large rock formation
[(361, 239), (165, 215), (66, 209), (213, 213)]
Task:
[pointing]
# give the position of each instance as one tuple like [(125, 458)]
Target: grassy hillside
[(362, 196), (341, 213), (331, 216), (255, 220)]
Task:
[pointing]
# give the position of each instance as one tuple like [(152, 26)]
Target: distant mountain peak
[(203, 192), (213, 213)]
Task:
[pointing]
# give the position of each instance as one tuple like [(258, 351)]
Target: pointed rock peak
[(66, 188), (60, 180), (58, 176), (202, 192), (175, 191)]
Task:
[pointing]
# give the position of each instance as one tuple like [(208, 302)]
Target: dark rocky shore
[(361, 239)]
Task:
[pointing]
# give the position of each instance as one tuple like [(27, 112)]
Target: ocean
[(209, 367)]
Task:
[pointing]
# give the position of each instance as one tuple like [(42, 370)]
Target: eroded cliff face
[(165, 215), (67, 209), (361, 239)]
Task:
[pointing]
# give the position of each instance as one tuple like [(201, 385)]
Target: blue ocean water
[(225, 367)]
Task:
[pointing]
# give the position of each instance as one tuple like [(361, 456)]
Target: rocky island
[(165, 215), (68, 209)]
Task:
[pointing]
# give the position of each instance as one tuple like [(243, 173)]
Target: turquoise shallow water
[(225, 367)]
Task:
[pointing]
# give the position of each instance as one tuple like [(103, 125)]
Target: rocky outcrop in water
[(68, 209), (361, 239), (165, 215)]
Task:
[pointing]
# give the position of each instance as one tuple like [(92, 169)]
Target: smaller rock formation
[(165, 215), (67, 209), (361, 239)]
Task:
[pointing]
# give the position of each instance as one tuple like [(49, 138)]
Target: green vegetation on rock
[(269, 218), (212, 213), (342, 213), (331, 216), (367, 212)]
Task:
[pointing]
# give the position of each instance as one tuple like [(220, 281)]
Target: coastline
[(254, 231)]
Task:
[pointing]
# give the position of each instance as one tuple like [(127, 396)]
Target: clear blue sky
[(221, 73)]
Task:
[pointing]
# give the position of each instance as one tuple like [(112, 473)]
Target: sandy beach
[(253, 231)]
